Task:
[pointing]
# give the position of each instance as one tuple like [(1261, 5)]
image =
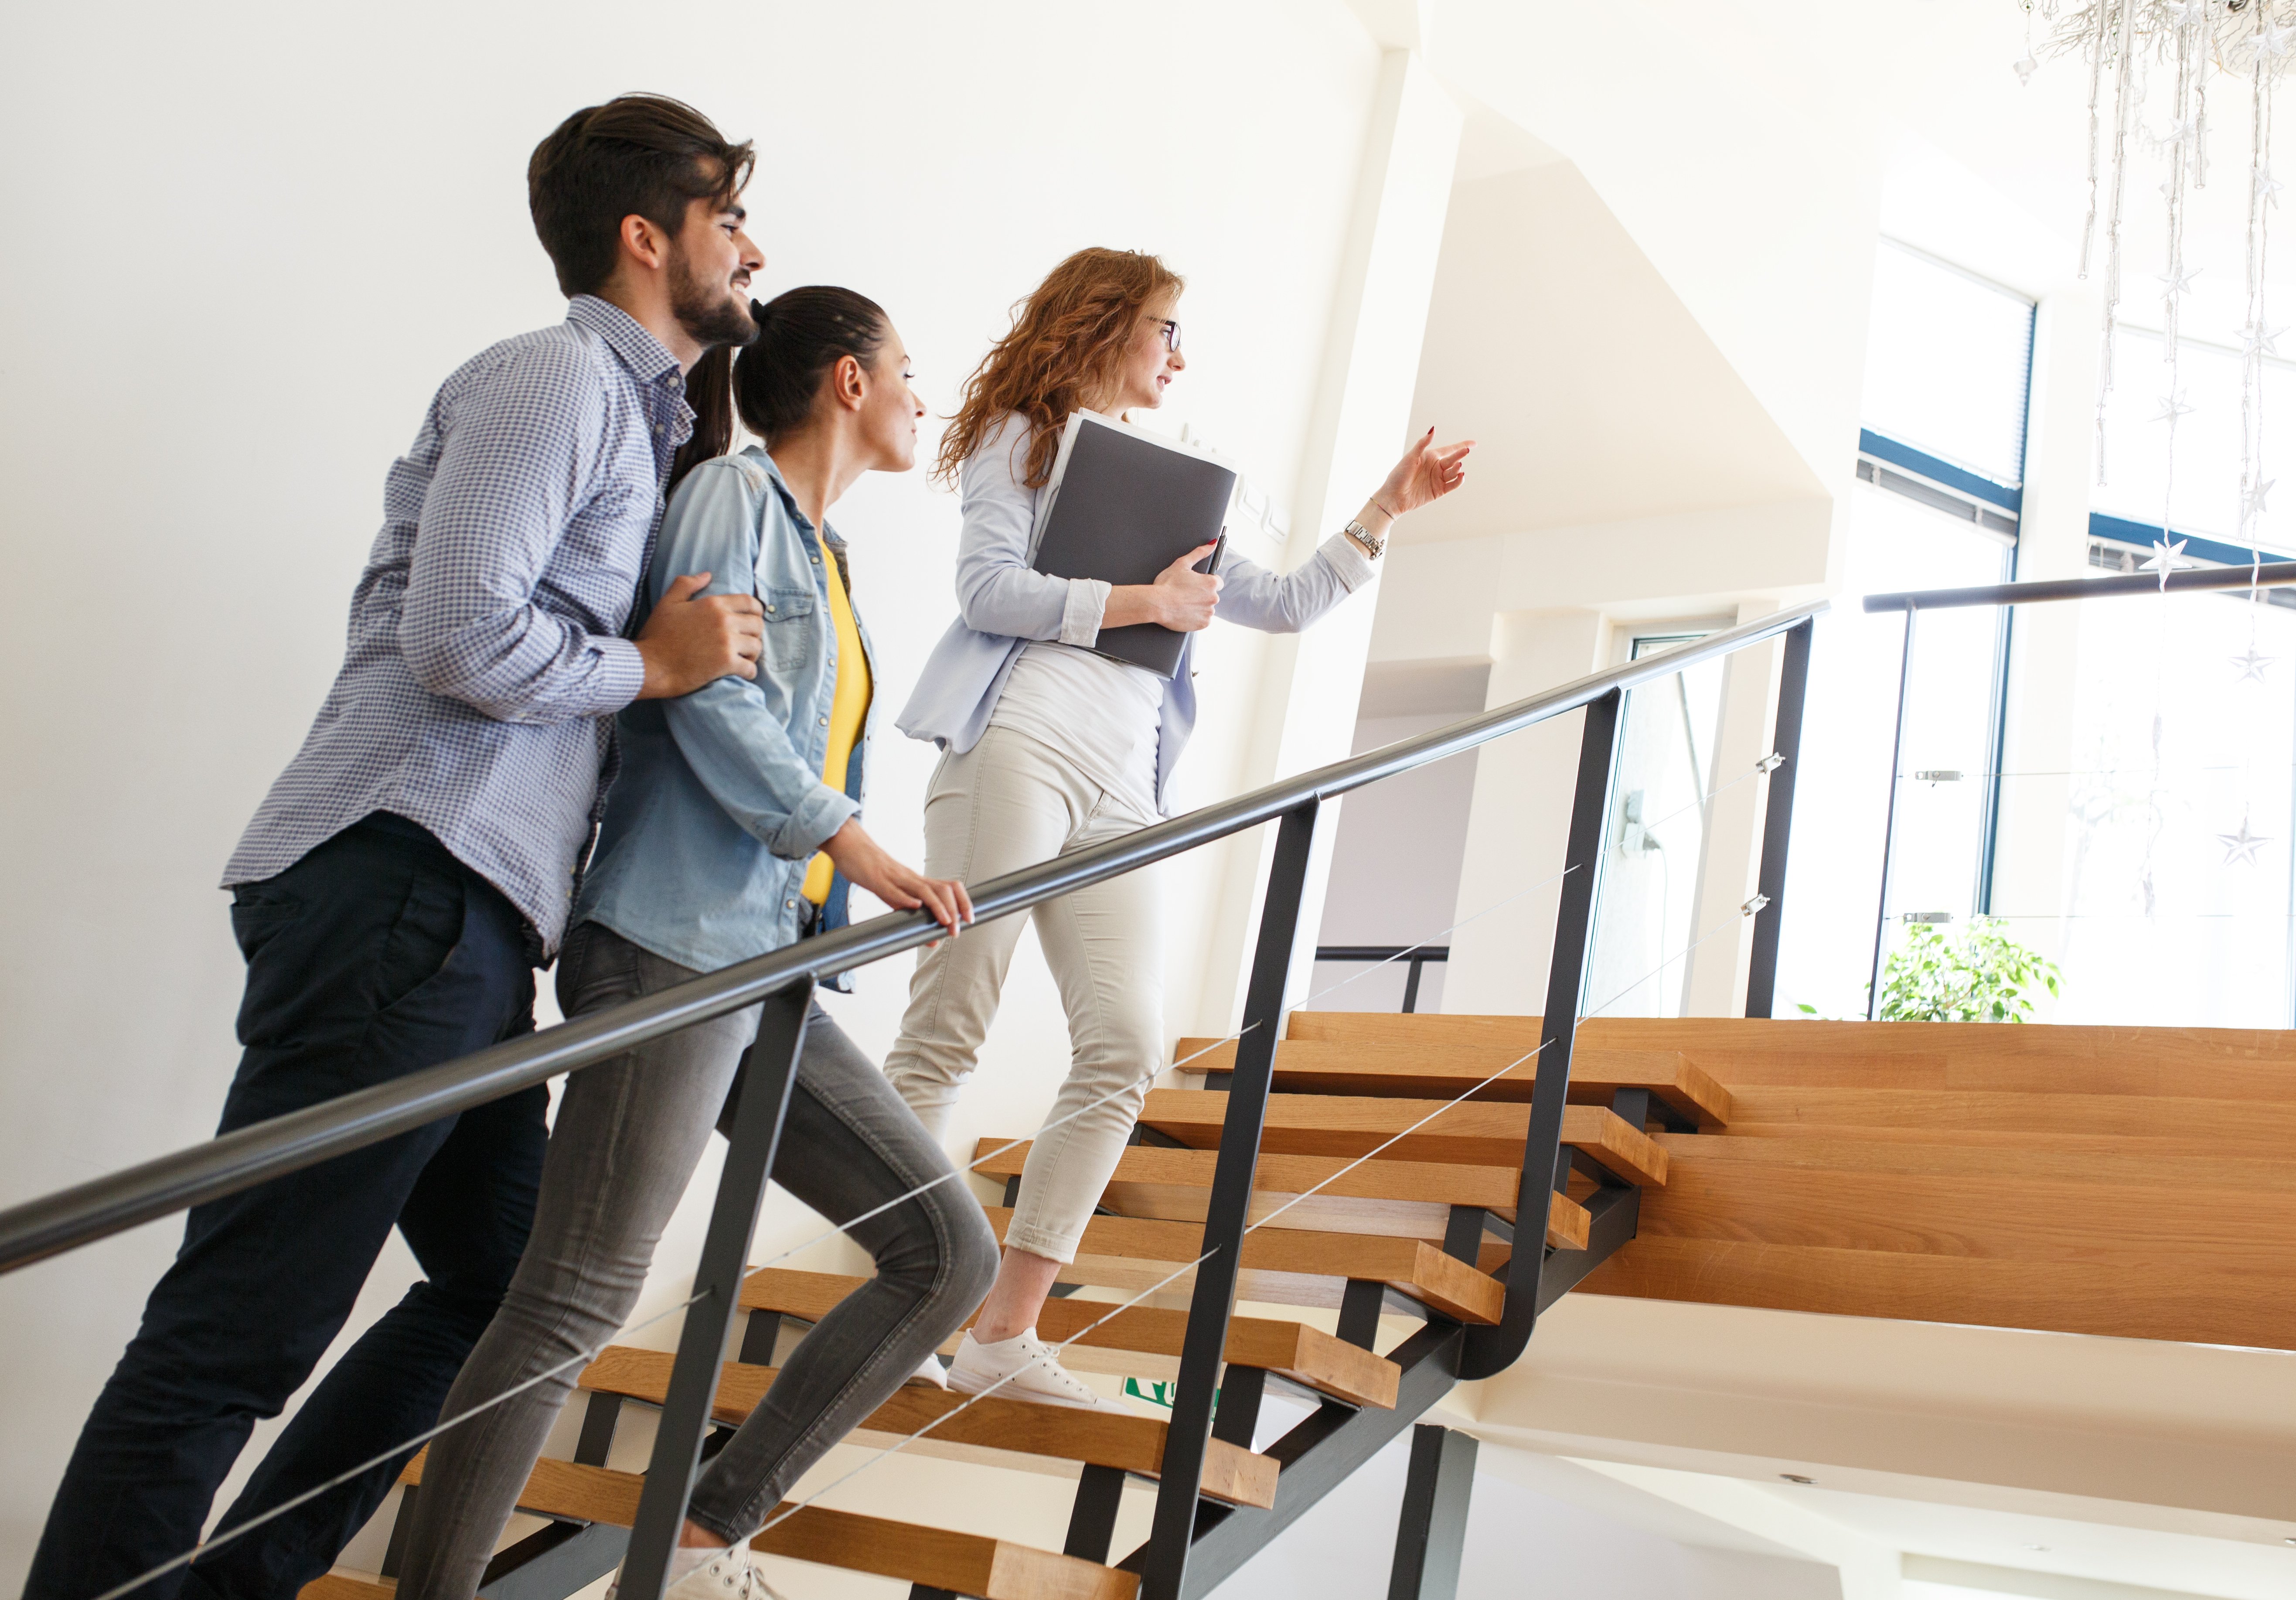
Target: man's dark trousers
[(375, 956)]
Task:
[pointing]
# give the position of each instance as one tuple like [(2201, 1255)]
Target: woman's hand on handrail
[(1181, 599), (863, 861)]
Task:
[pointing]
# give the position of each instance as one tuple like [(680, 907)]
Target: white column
[(1519, 824), (1306, 706)]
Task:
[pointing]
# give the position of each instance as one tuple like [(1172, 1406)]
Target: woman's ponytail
[(709, 392), (771, 382)]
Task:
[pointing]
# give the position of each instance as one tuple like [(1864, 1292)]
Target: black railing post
[(1777, 821), (1890, 821), (768, 1073), (1165, 1568), (1493, 1349), (1431, 1533)]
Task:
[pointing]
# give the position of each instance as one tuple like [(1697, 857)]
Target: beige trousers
[(1011, 801)]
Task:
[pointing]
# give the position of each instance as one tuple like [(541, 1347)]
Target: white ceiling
[(1592, 391)]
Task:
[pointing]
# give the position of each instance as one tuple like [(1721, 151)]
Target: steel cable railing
[(226, 1165), (223, 1536), (39, 1229)]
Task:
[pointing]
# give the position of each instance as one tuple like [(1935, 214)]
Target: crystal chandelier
[(2248, 42)]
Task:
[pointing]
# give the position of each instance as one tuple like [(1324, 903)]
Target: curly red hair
[(1067, 341)]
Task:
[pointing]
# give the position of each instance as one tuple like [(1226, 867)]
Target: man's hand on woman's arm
[(688, 642), (863, 861)]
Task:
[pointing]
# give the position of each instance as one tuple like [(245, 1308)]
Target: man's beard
[(710, 314)]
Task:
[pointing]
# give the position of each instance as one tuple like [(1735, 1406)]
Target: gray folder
[(1125, 506)]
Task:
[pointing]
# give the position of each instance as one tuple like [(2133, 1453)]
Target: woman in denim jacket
[(732, 829)]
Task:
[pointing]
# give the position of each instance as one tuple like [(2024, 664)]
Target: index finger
[(964, 900)]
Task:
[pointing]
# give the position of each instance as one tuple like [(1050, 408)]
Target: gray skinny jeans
[(628, 1134)]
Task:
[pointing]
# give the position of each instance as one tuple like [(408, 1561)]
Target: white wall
[(1395, 869), (264, 235)]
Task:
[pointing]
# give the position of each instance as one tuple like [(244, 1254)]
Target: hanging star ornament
[(2273, 41), (2172, 406), (2251, 665), (2178, 279), (2267, 187), (2256, 340), (2255, 496), (2242, 847), (2165, 558)]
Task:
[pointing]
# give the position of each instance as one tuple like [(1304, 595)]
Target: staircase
[(1421, 1233), (2040, 1177)]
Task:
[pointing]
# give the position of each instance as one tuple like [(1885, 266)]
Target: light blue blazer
[(1003, 603)]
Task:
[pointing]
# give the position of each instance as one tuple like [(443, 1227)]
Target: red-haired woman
[(1047, 748)]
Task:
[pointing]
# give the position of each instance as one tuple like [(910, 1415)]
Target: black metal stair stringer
[(1319, 1455)]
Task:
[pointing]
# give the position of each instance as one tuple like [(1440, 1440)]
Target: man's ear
[(643, 242)]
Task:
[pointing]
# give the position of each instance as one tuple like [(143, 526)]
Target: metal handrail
[(2270, 575), (1415, 958), (2258, 576), (69, 1218)]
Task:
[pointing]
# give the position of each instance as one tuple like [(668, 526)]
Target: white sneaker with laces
[(929, 1371), (727, 1575), (1033, 1371)]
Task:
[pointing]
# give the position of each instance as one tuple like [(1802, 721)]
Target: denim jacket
[(720, 807)]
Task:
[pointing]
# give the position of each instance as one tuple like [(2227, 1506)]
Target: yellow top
[(846, 710)]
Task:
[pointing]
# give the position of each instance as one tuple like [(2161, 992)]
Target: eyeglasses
[(1171, 331)]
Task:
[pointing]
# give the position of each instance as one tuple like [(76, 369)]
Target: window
[(1935, 504), (1642, 954), (2161, 817), (1948, 361), (2137, 486)]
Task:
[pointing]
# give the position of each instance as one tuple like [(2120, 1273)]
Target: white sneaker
[(1034, 1372), (725, 1576), (929, 1371)]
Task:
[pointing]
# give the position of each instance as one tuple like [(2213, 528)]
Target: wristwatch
[(1364, 537)]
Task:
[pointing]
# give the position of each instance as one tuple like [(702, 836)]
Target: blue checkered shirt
[(485, 660)]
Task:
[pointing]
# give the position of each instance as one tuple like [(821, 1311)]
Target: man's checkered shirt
[(485, 660)]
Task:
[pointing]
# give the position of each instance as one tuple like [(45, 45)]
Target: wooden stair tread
[(967, 1563), (1409, 1198), (1139, 1341), (1979, 1160), (2254, 1065), (2147, 1294), (1117, 1438), (1130, 1253), (1445, 1070), (347, 1586), (1764, 1108), (964, 1564), (566, 1488), (1476, 1131)]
